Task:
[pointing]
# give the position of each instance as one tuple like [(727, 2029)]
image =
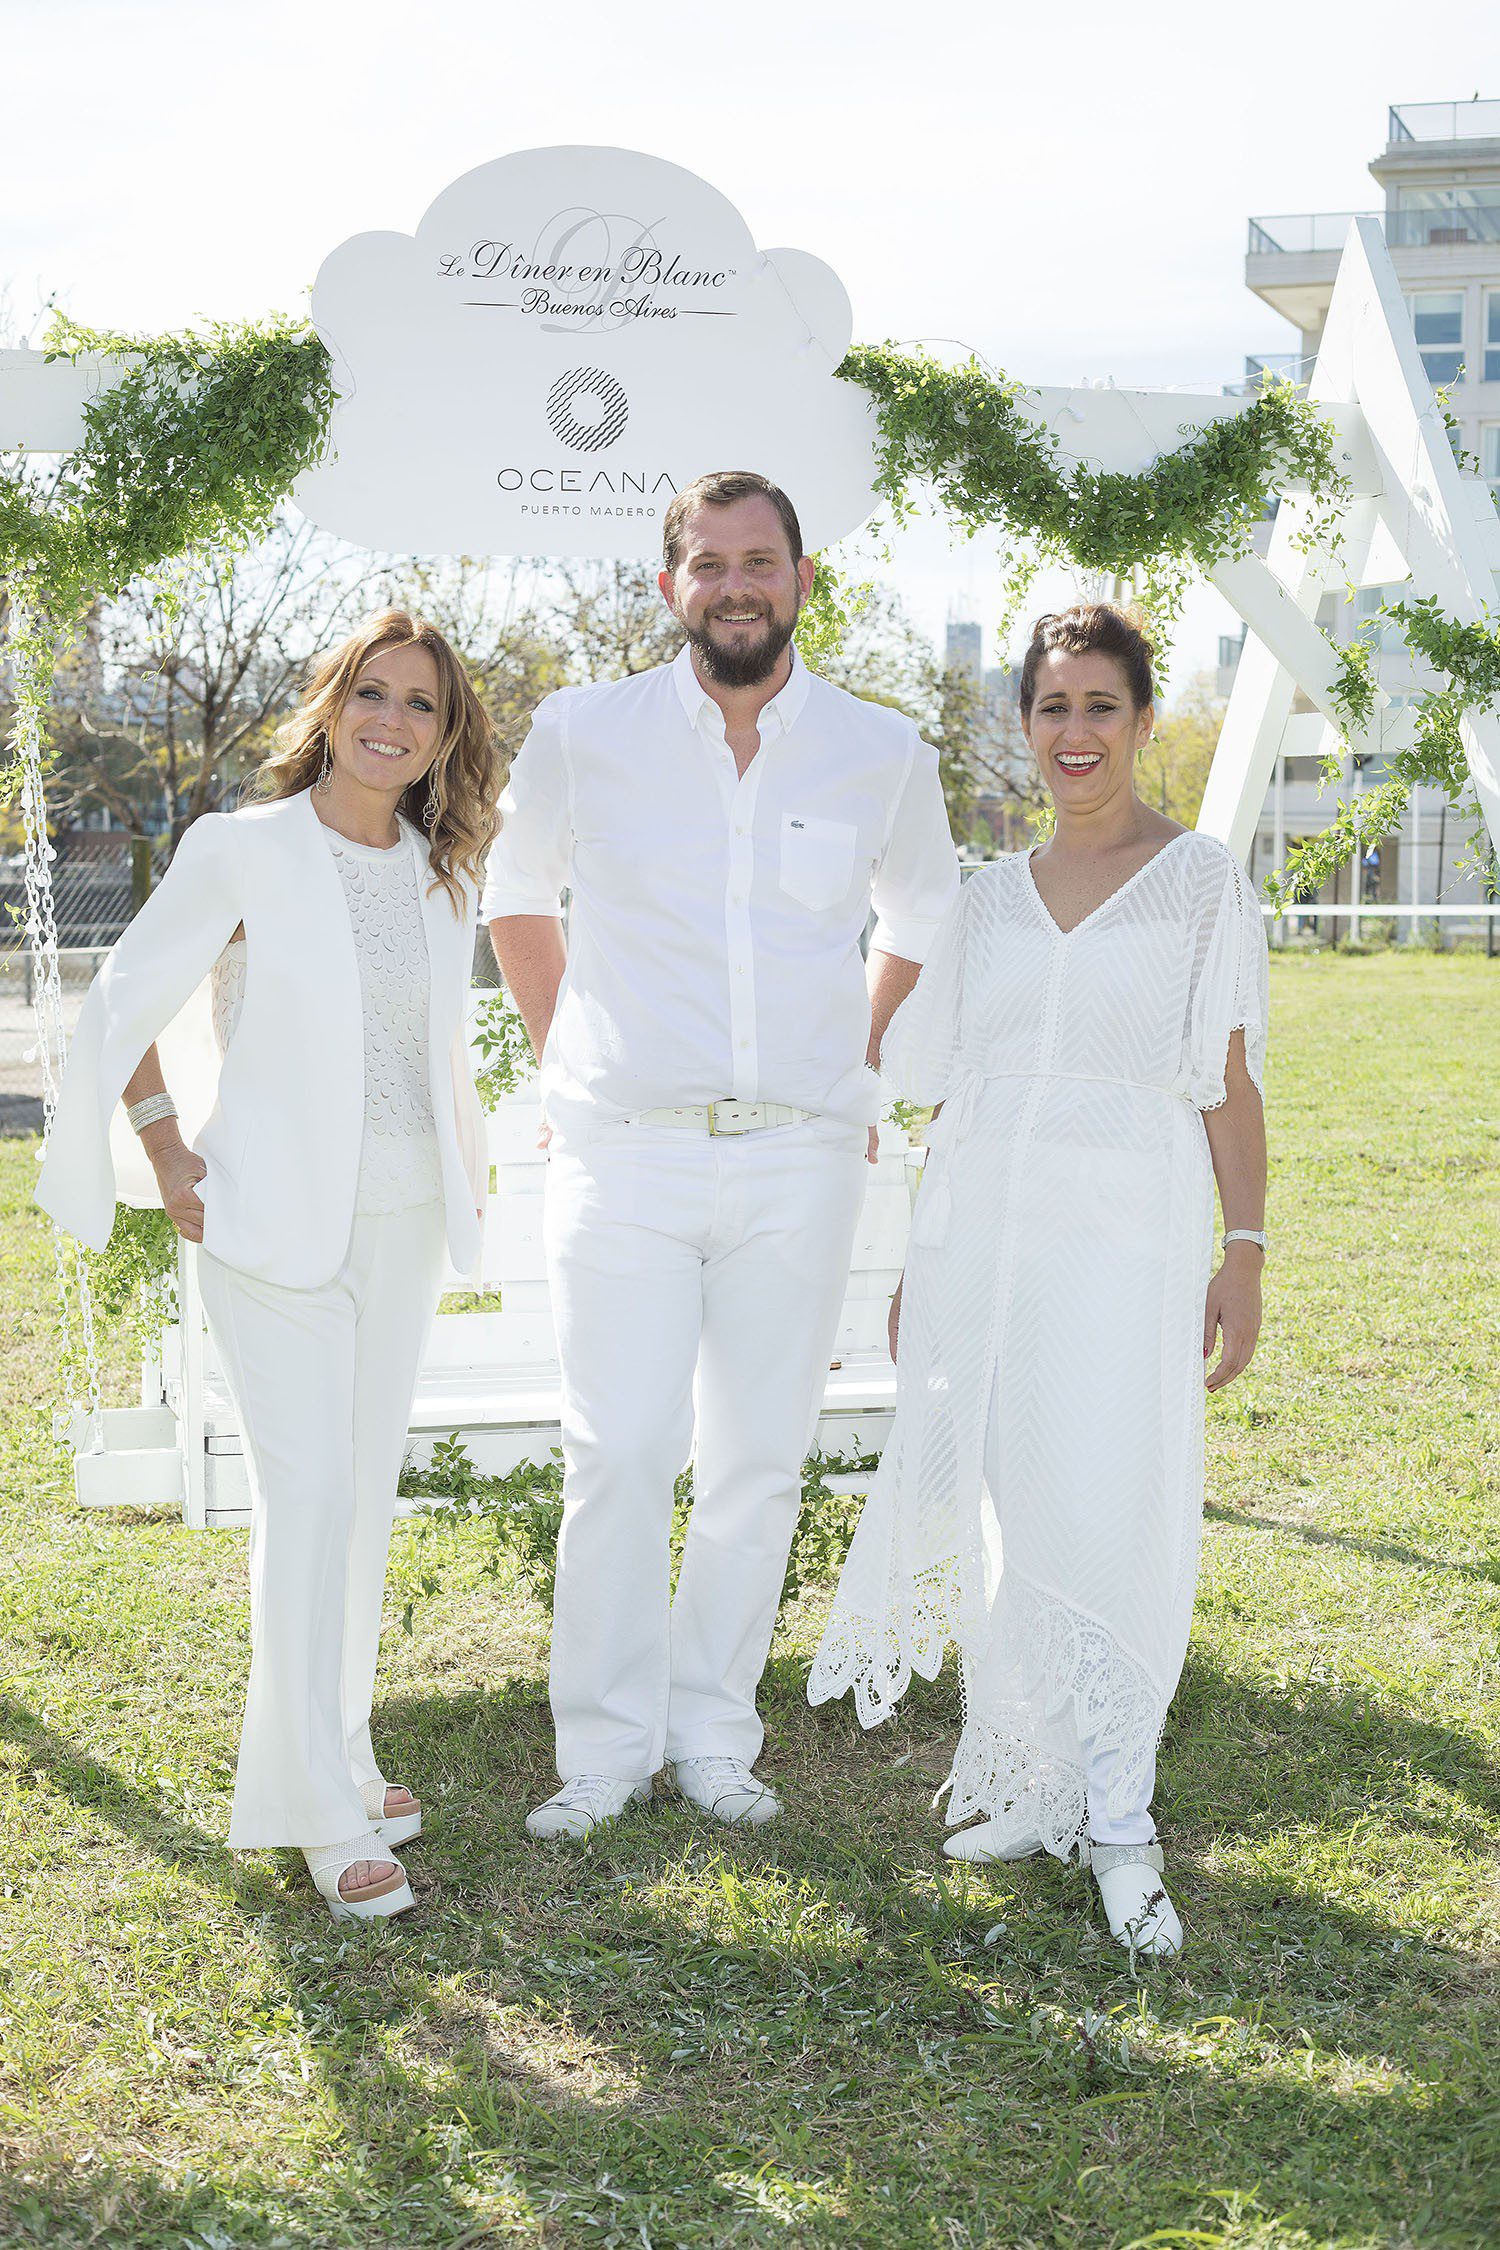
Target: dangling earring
[(325, 778), (431, 812)]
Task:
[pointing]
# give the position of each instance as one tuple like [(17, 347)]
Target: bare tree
[(989, 780), (609, 620), (496, 617), (162, 708)]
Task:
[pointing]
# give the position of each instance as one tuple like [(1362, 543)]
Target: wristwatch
[(1245, 1234)]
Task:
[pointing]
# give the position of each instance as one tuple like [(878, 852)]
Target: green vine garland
[(202, 436), (1466, 659), (960, 431), (194, 446), (963, 432)]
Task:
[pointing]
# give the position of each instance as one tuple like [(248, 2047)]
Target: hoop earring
[(325, 778)]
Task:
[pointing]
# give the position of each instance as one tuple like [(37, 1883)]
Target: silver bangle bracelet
[(1246, 1234), (150, 1111)]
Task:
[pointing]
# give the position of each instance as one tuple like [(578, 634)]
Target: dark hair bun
[(1087, 627)]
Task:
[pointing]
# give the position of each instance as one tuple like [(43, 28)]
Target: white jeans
[(323, 1380), (673, 1254)]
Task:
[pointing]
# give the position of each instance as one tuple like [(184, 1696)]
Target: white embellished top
[(399, 1166)]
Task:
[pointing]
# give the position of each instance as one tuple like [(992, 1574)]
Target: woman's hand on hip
[(178, 1171), (1231, 1317)]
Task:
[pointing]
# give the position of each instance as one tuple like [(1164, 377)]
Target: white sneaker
[(1135, 1898), (991, 1840), (584, 1804), (727, 1790)]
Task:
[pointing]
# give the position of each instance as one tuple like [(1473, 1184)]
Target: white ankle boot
[(991, 1840), (1135, 1898)]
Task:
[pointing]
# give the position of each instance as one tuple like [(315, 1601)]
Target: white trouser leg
[(292, 1358), (773, 1288), (1133, 1826), (625, 1230), (399, 1280)]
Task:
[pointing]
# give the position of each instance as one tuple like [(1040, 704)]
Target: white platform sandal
[(403, 1825), (375, 1902), (1140, 1914)]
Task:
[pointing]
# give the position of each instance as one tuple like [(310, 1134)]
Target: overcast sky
[(1064, 188)]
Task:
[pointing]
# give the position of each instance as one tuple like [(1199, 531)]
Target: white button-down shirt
[(714, 933)]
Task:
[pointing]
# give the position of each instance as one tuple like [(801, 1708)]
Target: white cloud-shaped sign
[(572, 335)]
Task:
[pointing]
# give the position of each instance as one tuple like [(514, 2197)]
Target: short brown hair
[(1082, 629), (720, 488)]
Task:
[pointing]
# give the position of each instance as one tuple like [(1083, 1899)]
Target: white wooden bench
[(490, 1376)]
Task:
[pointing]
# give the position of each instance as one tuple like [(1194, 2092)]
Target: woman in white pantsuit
[(1092, 1022), (334, 915)]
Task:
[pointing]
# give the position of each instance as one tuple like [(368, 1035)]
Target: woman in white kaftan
[(1040, 1496)]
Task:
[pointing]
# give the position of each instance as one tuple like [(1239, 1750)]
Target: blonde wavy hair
[(454, 800)]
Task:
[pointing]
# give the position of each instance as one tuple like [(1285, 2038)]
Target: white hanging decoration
[(46, 1000)]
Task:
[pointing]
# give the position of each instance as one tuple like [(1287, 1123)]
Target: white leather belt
[(723, 1117)]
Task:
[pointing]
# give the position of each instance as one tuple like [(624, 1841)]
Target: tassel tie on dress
[(934, 1208)]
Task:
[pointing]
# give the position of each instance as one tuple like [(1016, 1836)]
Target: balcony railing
[(1292, 365), (1297, 233), (1304, 233), (1444, 121)]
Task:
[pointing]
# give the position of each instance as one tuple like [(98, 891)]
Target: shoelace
[(724, 1774), (586, 1792)]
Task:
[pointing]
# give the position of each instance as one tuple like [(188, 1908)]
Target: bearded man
[(708, 1039)]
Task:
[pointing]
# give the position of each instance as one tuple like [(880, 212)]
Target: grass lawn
[(815, 2034)]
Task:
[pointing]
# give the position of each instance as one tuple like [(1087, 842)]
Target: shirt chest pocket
[(817, 859)]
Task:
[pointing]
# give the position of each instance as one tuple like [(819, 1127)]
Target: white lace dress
[(399, 1165), (1061, 1244)]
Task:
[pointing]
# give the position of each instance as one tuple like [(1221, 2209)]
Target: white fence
[(1376, 910)]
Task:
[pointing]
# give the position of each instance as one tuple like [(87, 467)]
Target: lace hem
[(1253, 1028), (1009, 1781), (1060, 1660), (876, 1656)]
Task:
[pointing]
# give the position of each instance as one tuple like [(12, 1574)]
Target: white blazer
[(282, 1140)]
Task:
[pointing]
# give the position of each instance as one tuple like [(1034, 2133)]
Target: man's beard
[(748, 663)]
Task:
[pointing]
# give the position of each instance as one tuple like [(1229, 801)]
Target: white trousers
[(1135, 1824), (323, 1381), (673, 1255)]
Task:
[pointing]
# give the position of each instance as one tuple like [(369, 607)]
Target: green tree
[(1172, 773)]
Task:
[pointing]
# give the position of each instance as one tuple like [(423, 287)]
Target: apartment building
[(1439, 177)]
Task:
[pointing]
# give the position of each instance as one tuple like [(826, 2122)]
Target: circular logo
[(587, 409)]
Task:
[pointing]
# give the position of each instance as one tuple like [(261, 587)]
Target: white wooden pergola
[(492, 1375)]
